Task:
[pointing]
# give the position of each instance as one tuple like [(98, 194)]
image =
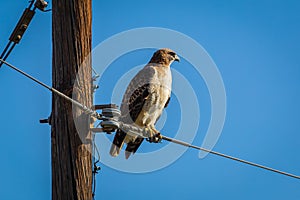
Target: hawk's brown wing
[(136, 103), (132, 104)]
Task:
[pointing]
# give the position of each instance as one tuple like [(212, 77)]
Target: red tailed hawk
[(146, 96)]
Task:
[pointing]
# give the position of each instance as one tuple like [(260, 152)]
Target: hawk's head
[(164, 57)]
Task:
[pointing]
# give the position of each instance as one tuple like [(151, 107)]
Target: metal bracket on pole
[(110, 117), (22, 26), (110, 122)]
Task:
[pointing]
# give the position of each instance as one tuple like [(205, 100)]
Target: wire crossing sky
[(141, 132)]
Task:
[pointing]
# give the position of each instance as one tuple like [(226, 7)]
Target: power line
[(229, 157), (83, 107), (110, 121)]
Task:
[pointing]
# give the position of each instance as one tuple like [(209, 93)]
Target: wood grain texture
[(71, 156)]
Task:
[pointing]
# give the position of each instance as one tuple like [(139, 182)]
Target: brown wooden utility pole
[(71, 155)]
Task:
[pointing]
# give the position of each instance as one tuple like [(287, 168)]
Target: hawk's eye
[(172, 54)]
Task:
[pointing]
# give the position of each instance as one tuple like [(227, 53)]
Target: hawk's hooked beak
[(177, 58)]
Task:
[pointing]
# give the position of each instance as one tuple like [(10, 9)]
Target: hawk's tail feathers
[(133, 146), (117, 143), (114, 150)]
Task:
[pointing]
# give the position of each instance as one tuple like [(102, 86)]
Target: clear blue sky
[(255, 45)]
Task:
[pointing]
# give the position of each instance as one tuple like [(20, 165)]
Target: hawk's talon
[(155, 139)]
